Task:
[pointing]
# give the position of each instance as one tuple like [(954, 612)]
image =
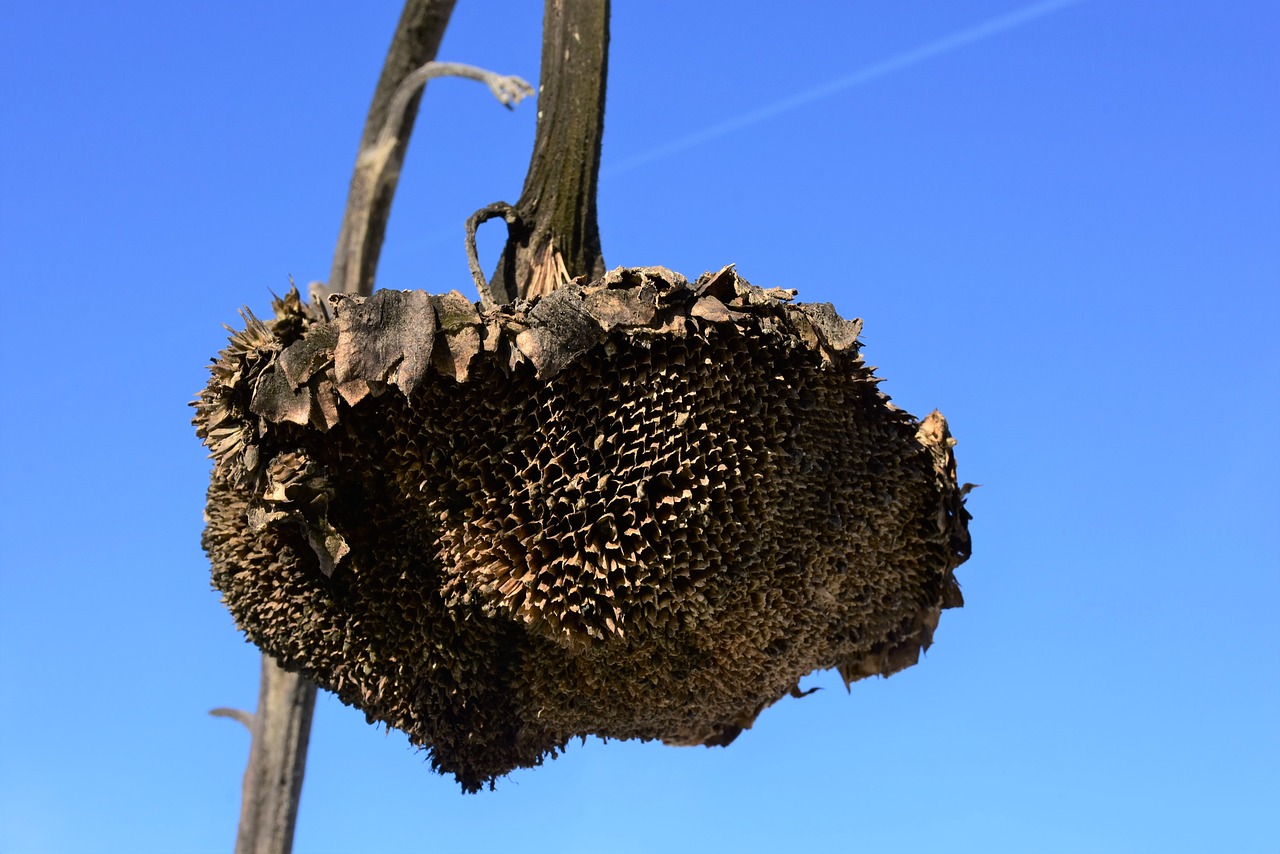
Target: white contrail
[(880, 69)]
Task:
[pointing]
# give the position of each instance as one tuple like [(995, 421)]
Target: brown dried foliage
[(637, 508)]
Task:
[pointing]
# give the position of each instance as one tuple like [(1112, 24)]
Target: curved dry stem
[(364, 219), (486, 213), (281, 728), (508, 89), (377, 170), (240, 715)]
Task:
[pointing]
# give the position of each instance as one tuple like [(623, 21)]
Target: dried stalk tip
[(639, 508)]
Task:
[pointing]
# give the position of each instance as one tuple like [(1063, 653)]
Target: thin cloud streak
[(912, 57)]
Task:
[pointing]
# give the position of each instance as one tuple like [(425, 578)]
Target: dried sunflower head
[(640, 508)]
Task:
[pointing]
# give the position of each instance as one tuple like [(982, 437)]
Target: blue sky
[(1060, 222)]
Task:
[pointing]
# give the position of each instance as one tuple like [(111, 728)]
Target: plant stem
[(555, 233), (277, 761), (286, 701), (364, 223)]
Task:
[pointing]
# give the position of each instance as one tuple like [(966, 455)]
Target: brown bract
[(635, 508)]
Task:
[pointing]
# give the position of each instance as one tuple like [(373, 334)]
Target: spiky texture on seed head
[(637, 508)]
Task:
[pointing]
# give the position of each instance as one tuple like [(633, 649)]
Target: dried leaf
[(561, 328), (276, 399), (386, 338)]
